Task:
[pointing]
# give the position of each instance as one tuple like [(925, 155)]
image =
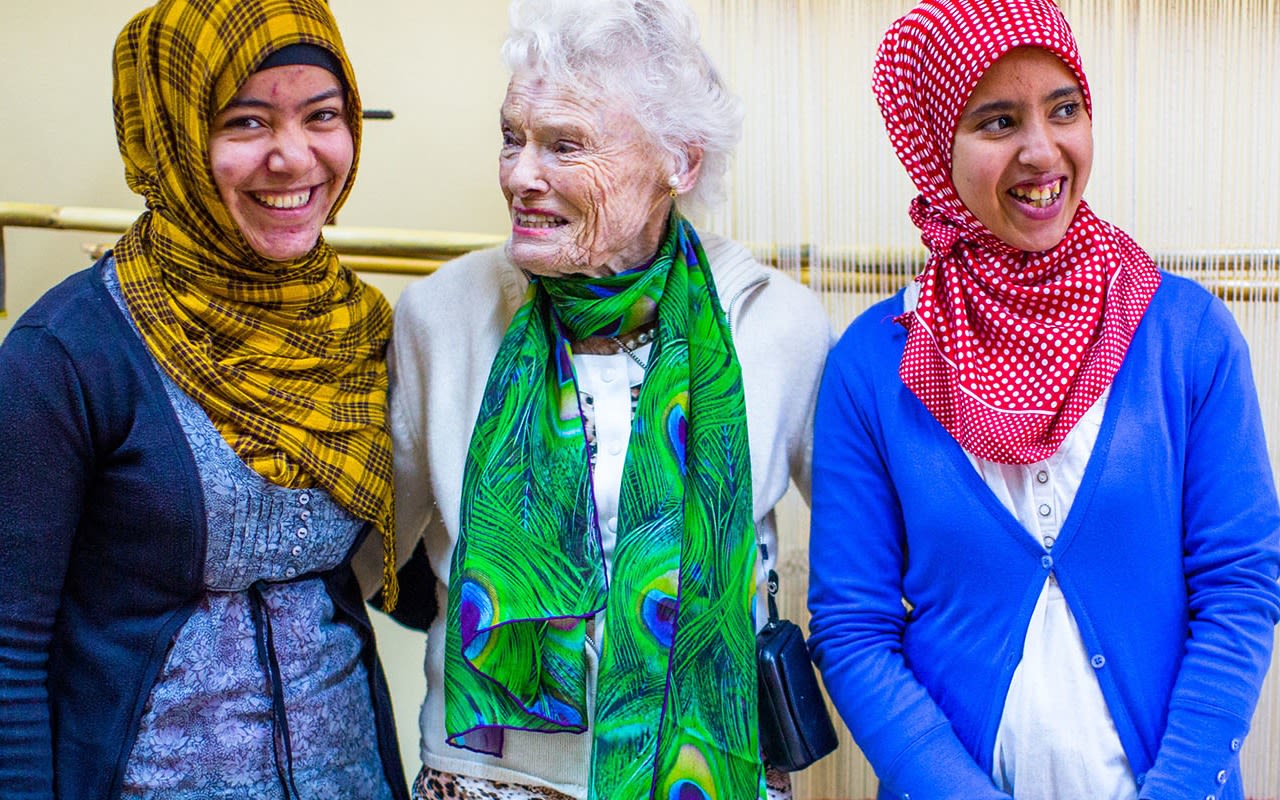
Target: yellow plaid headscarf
[(286, 358)]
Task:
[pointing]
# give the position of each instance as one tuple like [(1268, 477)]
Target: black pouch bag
[(795, 727)]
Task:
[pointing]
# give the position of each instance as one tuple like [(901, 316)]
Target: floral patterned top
[(210, 728)]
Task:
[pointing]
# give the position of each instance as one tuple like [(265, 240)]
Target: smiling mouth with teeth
[(537, 220), (1039, 196), (284, 201)]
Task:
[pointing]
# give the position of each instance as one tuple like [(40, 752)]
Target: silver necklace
[(642, 339)]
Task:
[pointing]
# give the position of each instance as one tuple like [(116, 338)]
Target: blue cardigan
[(102, 545), (1169, 560)]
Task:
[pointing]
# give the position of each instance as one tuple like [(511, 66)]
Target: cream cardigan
[(447, 330)]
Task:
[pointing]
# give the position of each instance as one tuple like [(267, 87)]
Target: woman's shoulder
[(460, 312), (1184, 308), (875, 330), (78, 312), (1181, 289), (477, 279), (790, 310), (68, 304), (76, 341)]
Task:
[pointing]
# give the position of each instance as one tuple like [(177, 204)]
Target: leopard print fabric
[(435, 785)]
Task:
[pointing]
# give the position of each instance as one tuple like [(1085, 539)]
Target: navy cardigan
[(102, 545)]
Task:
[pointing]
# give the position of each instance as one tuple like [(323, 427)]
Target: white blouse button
[(613, 524), (607, 375), (1045, 510), (615, 449), (1042, 476)]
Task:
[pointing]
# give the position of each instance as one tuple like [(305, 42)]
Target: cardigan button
[(1046, 562), (1235, 745), (1222, 776), (1098, 661), (303, 499)]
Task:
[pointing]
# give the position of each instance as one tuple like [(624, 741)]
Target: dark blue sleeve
[(45, 463), (1231, 542), (857, 556)]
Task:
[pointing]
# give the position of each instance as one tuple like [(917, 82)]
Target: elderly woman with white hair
[(593, 425)]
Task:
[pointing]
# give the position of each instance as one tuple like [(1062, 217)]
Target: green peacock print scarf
[(676, 700)]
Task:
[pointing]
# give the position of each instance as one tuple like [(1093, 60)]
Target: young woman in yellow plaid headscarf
[(196, 442), (286, 357)]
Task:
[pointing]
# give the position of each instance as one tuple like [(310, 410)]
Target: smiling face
[(586, 188), (280, 153), (1023, 149)]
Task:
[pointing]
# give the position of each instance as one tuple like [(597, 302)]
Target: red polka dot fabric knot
[(938, 232), (1006, 348)]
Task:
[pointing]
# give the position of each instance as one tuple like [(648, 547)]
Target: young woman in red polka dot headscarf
[(1029, 300), (1045, 532)]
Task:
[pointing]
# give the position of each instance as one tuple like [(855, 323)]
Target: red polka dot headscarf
[(1007, 349)]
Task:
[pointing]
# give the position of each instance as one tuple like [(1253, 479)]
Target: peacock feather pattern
[(676, 693)]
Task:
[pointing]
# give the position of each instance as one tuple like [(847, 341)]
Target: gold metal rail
[(384, 250), (1244, 275)]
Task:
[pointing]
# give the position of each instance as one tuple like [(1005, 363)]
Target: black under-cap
[(302, 53)]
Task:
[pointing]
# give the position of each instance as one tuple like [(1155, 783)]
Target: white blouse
[(607, 380), (1056, 737)]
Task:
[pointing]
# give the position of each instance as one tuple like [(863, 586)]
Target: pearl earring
[(673, 182)]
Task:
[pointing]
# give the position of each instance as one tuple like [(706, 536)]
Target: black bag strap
[(771, 578)]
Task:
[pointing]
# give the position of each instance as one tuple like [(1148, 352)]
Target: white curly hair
[(648, 54)]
